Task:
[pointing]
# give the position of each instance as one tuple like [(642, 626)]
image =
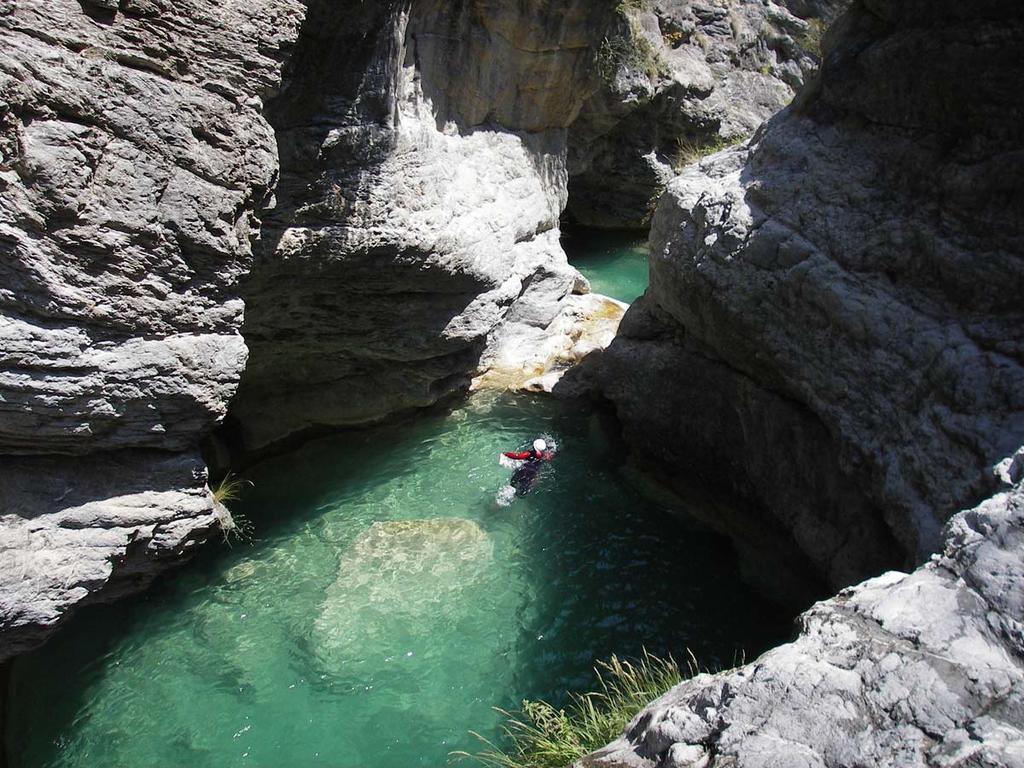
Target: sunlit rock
[(528, 358)]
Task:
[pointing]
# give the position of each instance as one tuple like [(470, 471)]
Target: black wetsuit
[(524, 478)]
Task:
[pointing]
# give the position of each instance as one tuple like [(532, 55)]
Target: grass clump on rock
[(811, 38), (690, 150), (234, 525), (628, 48), (541, 736)]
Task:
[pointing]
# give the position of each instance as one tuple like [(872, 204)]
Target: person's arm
[(517, 455)]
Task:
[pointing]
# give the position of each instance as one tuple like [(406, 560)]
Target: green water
[(388, 601), (345, 637), (614, 261)]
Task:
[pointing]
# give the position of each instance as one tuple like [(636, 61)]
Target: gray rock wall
[(856, 272), (135, 156), (834, 330), (134, 160), (423, 176), (681, 79)]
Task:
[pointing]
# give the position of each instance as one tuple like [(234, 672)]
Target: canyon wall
[(834, 330), (679, 79), (320, 213), (135, 158), (423, 174), (834, 323)]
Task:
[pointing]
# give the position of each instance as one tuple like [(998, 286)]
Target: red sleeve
[(519, 455)]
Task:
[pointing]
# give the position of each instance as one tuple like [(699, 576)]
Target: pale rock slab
[(525, 357)]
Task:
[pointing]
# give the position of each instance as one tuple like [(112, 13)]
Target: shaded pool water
[(387, 602), (614, 261)]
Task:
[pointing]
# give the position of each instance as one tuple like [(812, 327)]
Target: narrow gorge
[(321, 248)]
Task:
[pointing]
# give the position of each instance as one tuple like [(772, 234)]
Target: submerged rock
[(400, 581)]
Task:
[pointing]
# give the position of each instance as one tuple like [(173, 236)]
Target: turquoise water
[(388, 601), (614, 261), (391, 596)]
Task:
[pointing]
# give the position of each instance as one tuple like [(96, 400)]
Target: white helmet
[(539, 445)]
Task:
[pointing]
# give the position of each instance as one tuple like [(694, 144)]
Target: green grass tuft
[(229, 488), (233, 524), (544, 737), (811, 38), (689, 150), (630, 49)]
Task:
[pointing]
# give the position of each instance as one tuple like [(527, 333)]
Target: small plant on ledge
[(234, 525), (810, 39), (690, 150), (544, 737), (630, 48)]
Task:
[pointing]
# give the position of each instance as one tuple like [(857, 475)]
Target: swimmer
[(524, 478)]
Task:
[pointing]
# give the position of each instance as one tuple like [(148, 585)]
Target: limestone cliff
[(135, 156), (423, 153), (378, 185), (834, 332), (834, 322), (678, 80)]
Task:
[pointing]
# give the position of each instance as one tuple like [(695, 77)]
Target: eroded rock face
[(919, 669), (135, 156), (99, 527), (417, 154), (680, 78), (833, 329), (852, 279), (423, 176)]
